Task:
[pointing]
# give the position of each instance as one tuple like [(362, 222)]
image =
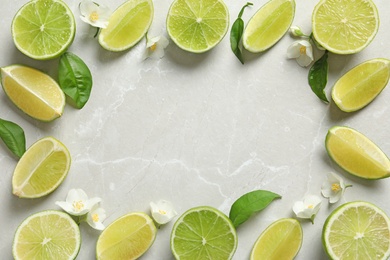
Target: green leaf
[(318, 77), (236, 34), (250, 203), (75, 79), (13, 137)]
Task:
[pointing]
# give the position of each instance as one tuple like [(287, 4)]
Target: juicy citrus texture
[(128, 237), (197, 25), (268, 25), (281, 240), (203, 233), (48, 234), (34, 92), (43, 29), (356, 154), (41, 169), (127, 25), (359, 86), (357, 230), (344, 26)]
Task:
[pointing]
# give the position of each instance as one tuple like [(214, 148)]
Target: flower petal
[(293, 51)]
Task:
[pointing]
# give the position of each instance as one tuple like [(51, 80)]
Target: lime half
[(43, 29), (203, 233), (357, 230)]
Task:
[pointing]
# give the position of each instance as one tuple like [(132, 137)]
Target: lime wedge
[(197, 25), (43, 29), (34, 92), (281, 240), (359, 86), (127, 25), (128, 237), (41, 169), (48, 234), (357, 230), (356, 154), (203, 233), (268, 25), (345, 26)]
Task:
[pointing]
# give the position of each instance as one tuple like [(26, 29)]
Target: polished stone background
[(196, 129)]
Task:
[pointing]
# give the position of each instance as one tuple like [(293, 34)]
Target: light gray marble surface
[(195, 129)]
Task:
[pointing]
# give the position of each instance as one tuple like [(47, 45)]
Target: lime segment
[(41, 169), (281, 240), (128, 237), (359, 86), (344, 26), (197, 26), (357, 230), (47, 235), (356, 154), (268, 25), (43, 29), (127, 25), (203, 233)]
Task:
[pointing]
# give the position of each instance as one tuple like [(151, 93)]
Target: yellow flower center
[(336, 187), (78, 205), (302, 50), (310, 206), (95, 217), (153, 47), (162, 212), (94, 16)]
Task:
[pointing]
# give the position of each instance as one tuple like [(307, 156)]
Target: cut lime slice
[(359, 86), (281, 240), (197, 25), (41, 169), (345, 26), (43, 29), (127, 25), (203, 233), (357, 230), (34, 92), (48, 234), (268, 25), (356, 154), (128, 237)]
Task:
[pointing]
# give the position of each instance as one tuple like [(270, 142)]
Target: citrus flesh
[(43, 29), (127, 25), (357, 230), (48, 234), (356, 154), (197, 25), (203, 233), (361, 85), (41, 169), (128, 237), (34, 92), (344, 26), (268, 25), (281, 240)]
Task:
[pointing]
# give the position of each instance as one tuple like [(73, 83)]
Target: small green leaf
[(13, 137), (236, 34), (318, 77), (250, 203), (75, 79)]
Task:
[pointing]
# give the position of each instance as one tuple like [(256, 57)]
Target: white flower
[(333, 188), (302, 51), (96, 217), (94, 14), (162, 211), (77, 202), (308, 208), (296, 31), (155, 47)]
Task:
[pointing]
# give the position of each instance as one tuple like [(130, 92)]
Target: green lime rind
[(379, 238), (203, 233)]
